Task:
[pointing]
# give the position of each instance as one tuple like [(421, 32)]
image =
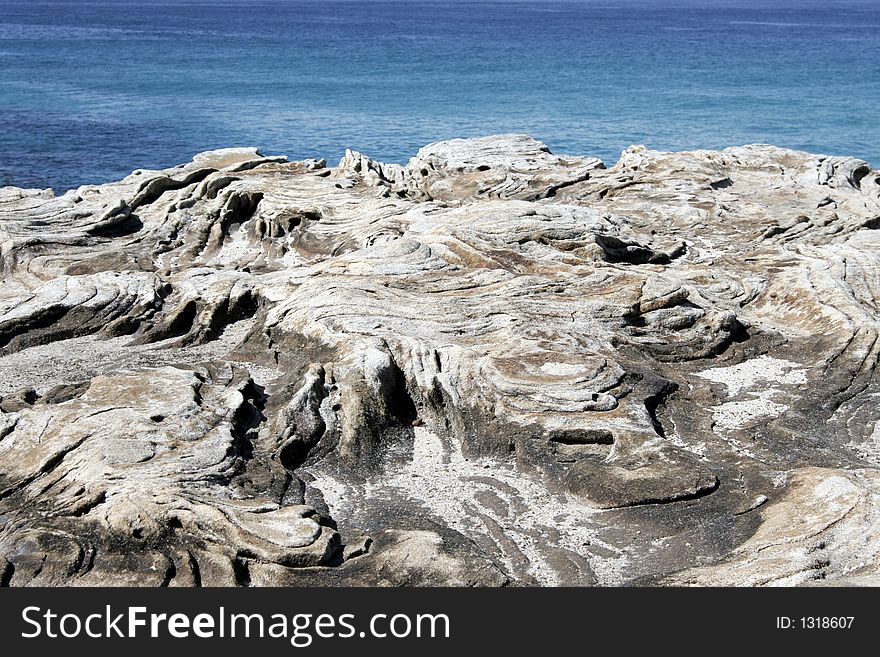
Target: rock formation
[(491, 366)]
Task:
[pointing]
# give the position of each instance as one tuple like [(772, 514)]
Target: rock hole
[(582, 437), (242, 572), (859, 173)]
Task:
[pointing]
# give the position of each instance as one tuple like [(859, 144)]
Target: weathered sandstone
[(494, 365)]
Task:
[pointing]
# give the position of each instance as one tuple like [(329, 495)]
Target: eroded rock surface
[(494, 365)]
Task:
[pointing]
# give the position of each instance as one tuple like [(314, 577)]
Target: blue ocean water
[(91, 90)]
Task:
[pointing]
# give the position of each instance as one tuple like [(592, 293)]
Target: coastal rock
[(822, 530), (491, 365)]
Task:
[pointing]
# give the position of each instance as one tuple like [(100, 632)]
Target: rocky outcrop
[(493, 365)]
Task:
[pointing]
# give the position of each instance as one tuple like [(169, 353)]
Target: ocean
[(91, 90)]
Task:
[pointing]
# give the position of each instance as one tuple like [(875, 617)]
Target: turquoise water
[(91, 90)]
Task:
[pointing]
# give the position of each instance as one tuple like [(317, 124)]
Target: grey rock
[(491, 365)]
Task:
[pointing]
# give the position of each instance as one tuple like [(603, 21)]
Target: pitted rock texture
[(492, 366)]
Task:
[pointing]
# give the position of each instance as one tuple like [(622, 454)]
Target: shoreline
[(401, 162)]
